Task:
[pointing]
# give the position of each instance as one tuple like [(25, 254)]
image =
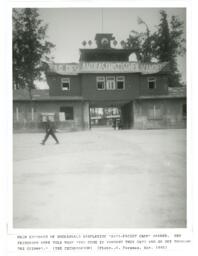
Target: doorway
[(114, 116), (104, 116)]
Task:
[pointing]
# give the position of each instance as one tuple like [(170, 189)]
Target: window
[(110, 83), (17, 113), (65, 82), (120, 80), (45, 116), (100, 82), (155, 112), (152, 83), (66, 113), (184, 111)]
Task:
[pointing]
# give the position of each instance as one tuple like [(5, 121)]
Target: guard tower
[(104, 50)]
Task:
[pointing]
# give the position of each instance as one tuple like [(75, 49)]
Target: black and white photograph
[(99, 118)]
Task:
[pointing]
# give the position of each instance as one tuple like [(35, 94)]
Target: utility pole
[(101, 20)]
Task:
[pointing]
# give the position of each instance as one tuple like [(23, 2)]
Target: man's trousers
[(50, 132)]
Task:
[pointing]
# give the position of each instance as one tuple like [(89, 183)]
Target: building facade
[(103, 78)]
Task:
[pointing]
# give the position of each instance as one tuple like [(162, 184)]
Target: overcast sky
[(68, 27)]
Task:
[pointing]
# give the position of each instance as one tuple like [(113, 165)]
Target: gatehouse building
[(137, 93)]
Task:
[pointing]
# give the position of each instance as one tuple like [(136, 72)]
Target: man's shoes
[(57, 142), (42, 143)]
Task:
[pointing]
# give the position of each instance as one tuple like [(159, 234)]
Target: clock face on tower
[(104, 41)]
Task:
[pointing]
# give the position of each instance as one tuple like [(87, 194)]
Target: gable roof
[(43, 95), (173, 92), (177, 91), (23, 94), (40, 95)]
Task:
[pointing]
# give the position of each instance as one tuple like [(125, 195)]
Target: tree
[(165, 44), (141, 43), (29, 47), (169, 44)]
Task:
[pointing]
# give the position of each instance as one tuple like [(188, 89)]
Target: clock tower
[(103, 41), (104, 51)]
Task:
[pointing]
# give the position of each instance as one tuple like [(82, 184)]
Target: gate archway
[(110, 114)]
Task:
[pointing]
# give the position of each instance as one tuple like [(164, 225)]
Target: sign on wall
[(107, 67)]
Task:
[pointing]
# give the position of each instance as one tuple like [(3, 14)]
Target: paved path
[(101, 179)]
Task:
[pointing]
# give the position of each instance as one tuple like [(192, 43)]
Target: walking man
[(114, 123), (50, 130)]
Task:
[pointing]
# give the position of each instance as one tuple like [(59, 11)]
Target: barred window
[(65, 83), (120, 81), (155, 112), (66, 113), (110, 83), (151, 83), (100, 83)]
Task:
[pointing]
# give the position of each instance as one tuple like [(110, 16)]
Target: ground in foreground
[(100, 179)]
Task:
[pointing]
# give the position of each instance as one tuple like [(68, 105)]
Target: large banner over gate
[(107, 67)]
